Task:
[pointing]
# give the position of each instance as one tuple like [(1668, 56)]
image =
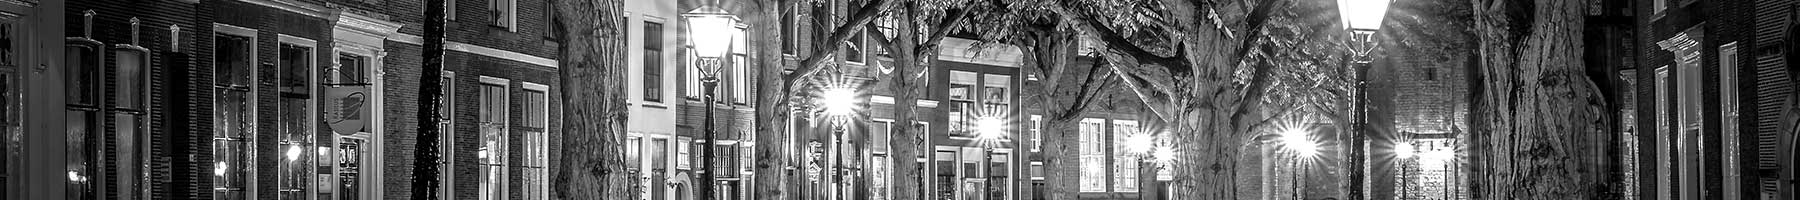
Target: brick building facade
[(300, 99), (1712, 82)]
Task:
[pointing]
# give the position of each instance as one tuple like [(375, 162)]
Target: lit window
[(493, 154), (536, 155), (294, 80), (1037, 133), (504, 13), (1093, 155), (740, 70), (234, 59), (1125, 165)]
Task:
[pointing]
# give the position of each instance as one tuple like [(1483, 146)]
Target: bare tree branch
[(810, 65)]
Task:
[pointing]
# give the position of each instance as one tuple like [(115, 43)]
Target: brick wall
[(1429, 91), (167, 70), (401, 81)]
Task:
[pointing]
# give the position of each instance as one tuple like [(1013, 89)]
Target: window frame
[(1125, 166), (536, 142), (653, 77), (135, 143), (308, 188), (510, 13), (1092, 155), (447, 137), (249, 170), (499, 162)]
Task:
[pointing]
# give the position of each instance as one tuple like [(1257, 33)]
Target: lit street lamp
[(1362, 18), (711, 29), (837, 101)]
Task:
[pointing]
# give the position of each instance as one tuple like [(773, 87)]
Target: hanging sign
[(346, 108)]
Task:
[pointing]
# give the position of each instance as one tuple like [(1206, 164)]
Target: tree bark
[(772, 111), (1062, 172), (1538, 108), (425, 161), (593, 163)]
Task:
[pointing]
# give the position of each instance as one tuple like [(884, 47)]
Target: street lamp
[(711, 29), (1362, 18)]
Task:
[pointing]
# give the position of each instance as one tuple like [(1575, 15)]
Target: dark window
[(653, 61), (502, 12), (1430, 74), (789, 37), (83, 61)]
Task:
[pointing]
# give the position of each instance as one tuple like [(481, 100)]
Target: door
[(346, 180)]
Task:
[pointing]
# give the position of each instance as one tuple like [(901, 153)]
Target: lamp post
[(989, 128), (1362, 18), (710, 28), (837, 101), (1151, 156), (1300, 145)]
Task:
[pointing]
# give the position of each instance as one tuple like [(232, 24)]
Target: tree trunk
[(1538, 107), (772, 109), (593, 163), (425, 161), (1062, 167), (1206, 167)]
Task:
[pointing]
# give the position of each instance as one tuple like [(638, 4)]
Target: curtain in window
[(493, 152)]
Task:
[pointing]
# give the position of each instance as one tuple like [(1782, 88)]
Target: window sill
[(655, 105)]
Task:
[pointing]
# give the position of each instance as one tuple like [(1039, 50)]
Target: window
[(492, 154), (993, 91), (681, 151), (633, 158), (1728, 98), (446, 120), (1093, 155), (553, 29), (130, 128), (691, 75), (962, 85), (653, 59), (11, 119), (234, 61), (962, 98), (1125, 166), (853, 52), (81, 79), (947, 173), (879, 145), (449, 10), (1657, 6), (1000, 172), (536, 154), (504, 14), (740, 70), (294, 82), (1430, 74), (789, 36), (1037, 133)]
